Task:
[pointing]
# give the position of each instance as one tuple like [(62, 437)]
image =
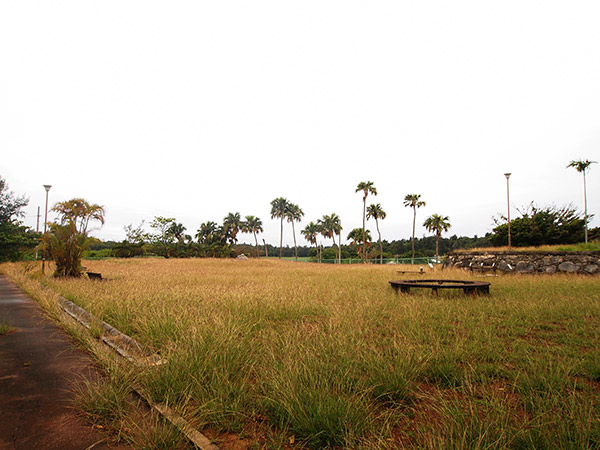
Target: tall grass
[(331, 356)]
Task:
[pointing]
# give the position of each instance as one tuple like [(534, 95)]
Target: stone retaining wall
[(527, 262)]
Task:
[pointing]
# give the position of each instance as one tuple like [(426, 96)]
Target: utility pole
[(47, 187), (507, 175), (37, 230)]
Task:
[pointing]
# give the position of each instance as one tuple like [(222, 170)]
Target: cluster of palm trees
[(211, 234), (434, 223), (330, 226)]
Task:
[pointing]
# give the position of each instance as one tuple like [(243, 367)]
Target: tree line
[(68, 237)]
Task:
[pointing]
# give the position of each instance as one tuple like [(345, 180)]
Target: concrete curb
[(140, 356)]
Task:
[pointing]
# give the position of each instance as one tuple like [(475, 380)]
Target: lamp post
[(507, 175), (47, 187)]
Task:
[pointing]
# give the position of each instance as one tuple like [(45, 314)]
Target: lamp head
[(507, 175), (47, 187)]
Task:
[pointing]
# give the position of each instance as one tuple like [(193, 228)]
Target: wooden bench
[(94, 275), (482, 267), (468, 287)]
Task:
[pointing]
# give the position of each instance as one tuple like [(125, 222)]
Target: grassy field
[(298, 355)]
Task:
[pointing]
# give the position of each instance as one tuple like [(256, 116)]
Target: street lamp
[(47, 187), (507, 175)]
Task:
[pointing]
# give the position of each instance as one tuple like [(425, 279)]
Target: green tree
[(163, 237), (253, 225), (376, 212), (79, 212), (582, 166), (437, 224), (15, 239), (310, 233), (356, 240), (10, 204), (541, 226), (208, 233), (133, 244), (68, 238), (294, 214), (279, 207), (231, 225), (330, 226), (367, 187), (413, 201)]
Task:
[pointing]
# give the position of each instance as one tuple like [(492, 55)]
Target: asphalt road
[(39, 364)]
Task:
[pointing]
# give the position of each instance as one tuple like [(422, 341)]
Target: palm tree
[(178, 231), (67, 240), (412, 201), (207, 232), (336, 223), (279, 208), (376, 212), (294, 214), (310, 233), (330, 226), (581, 167), (438, 224), (356, 239), (367, 187), (231, 225), (253, 225), (80, 213)]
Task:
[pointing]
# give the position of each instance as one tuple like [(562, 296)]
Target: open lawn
[(293, 355)]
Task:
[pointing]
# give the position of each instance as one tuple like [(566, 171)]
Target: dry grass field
[(299, 355)]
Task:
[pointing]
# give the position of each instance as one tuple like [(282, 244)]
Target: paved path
[(38, 364)]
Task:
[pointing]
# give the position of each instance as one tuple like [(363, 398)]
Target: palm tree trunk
[(380, 245), (364, 226), (257, 250), (340, 248), (294, 233), (281, 239), (437, 252), (412, 260), (585, 208)]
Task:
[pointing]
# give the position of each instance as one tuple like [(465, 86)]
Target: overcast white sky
[(193, 109)]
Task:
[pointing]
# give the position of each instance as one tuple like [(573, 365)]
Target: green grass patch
[(330, 356), (5, 328)]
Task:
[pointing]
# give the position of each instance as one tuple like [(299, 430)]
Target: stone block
[(525, 267), (568, 267)]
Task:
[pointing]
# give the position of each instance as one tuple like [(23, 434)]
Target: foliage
[(15, 239), (541, 226), (253, 225), (329, 226), (376, 212), (231, 227), (581, 165), (294, 214), (134, 243), (413, 201), (279, 208), (367, 187), (167, 234), (437, 224), (67, 239)]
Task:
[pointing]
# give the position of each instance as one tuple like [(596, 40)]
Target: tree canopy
[(550, 225), (15, 239)]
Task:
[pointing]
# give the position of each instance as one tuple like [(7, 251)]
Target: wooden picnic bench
[(468, 287)]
